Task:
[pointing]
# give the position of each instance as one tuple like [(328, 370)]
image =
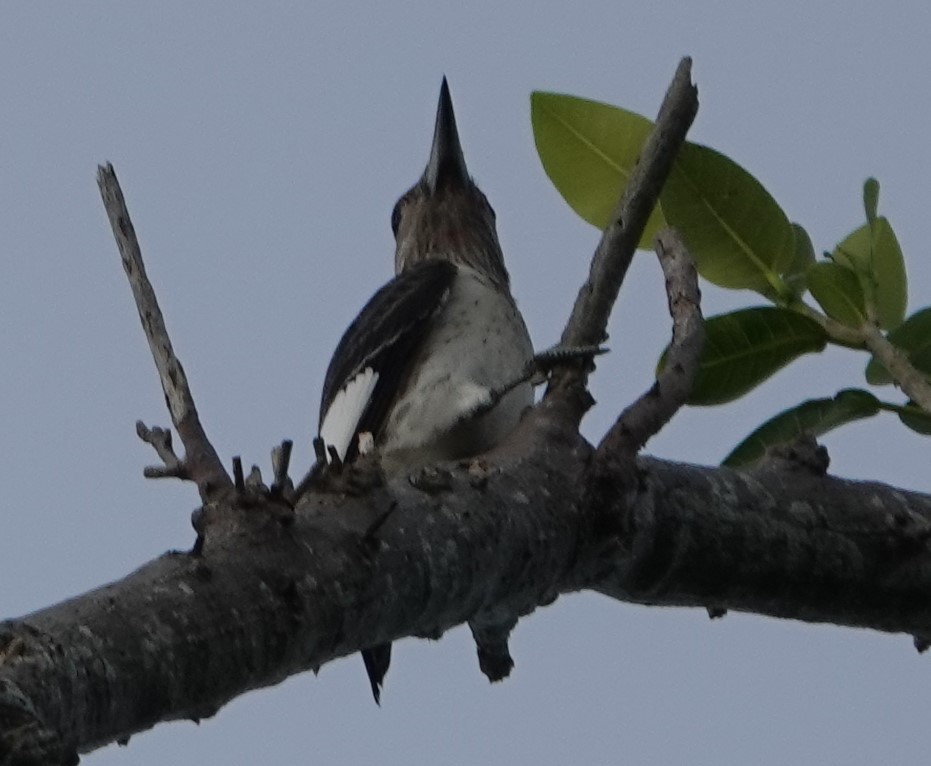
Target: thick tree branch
[(786, 542), (185, 634), (200, 462), (589, 319)]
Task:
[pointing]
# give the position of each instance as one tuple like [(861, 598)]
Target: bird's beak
[(446, 166)]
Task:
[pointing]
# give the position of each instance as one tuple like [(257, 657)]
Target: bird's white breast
[(479, 343)]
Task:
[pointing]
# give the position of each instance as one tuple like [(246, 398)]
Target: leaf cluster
[(854, 296)]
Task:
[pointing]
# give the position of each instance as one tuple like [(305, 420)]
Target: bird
[(435, 365)]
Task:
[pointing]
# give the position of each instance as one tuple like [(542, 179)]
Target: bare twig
[(201, 462), (589, 319), (651, 411), (491, 644), (320, 449), (313, 475), (160, 439), (239, 481), (281, 461), (254, 480)]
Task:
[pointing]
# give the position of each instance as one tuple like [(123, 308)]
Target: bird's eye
[(396, 217)]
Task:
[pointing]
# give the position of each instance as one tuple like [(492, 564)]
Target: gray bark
[(264, 600)]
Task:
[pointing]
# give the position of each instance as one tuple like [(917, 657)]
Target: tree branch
[(912, 382), (647, 415), (589, 319), (200, 461), (870, 337), (160, 439), (782, 542), (786, 542)]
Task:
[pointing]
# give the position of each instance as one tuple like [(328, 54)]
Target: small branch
[(201, 462), (313, 475), (254, 480), (869, 336), (239, 481), (589, 320), (649, 413), (491, 644), (160, 438), (281, 461), (838, 332), (803, 453), (909, 379)]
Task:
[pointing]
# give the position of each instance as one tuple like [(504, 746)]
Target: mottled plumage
[(421, 368)]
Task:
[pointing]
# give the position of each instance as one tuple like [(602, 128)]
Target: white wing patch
[(342, 418)]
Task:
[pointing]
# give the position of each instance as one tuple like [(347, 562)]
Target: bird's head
[(445, 215)]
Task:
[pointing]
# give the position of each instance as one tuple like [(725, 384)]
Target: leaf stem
[(839, 333)]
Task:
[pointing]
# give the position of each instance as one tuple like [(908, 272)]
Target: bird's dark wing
[(374, 356)]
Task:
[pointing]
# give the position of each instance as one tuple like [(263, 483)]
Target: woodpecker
[(433, 368)]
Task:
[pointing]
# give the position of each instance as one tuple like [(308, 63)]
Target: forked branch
[(589, 319), (650, 412), (200, 462)]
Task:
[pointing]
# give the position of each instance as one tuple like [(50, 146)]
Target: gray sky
[(261, 151)]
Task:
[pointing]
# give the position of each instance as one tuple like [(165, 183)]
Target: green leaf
[(913, 336), (736, 232), (738, 235), (876, 374), (873, 252), (856, 250), (804, 256), (870, 199), (837, 290), (816, 417), (588, 150), (744, 348), (889, 270), (915, 418)]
